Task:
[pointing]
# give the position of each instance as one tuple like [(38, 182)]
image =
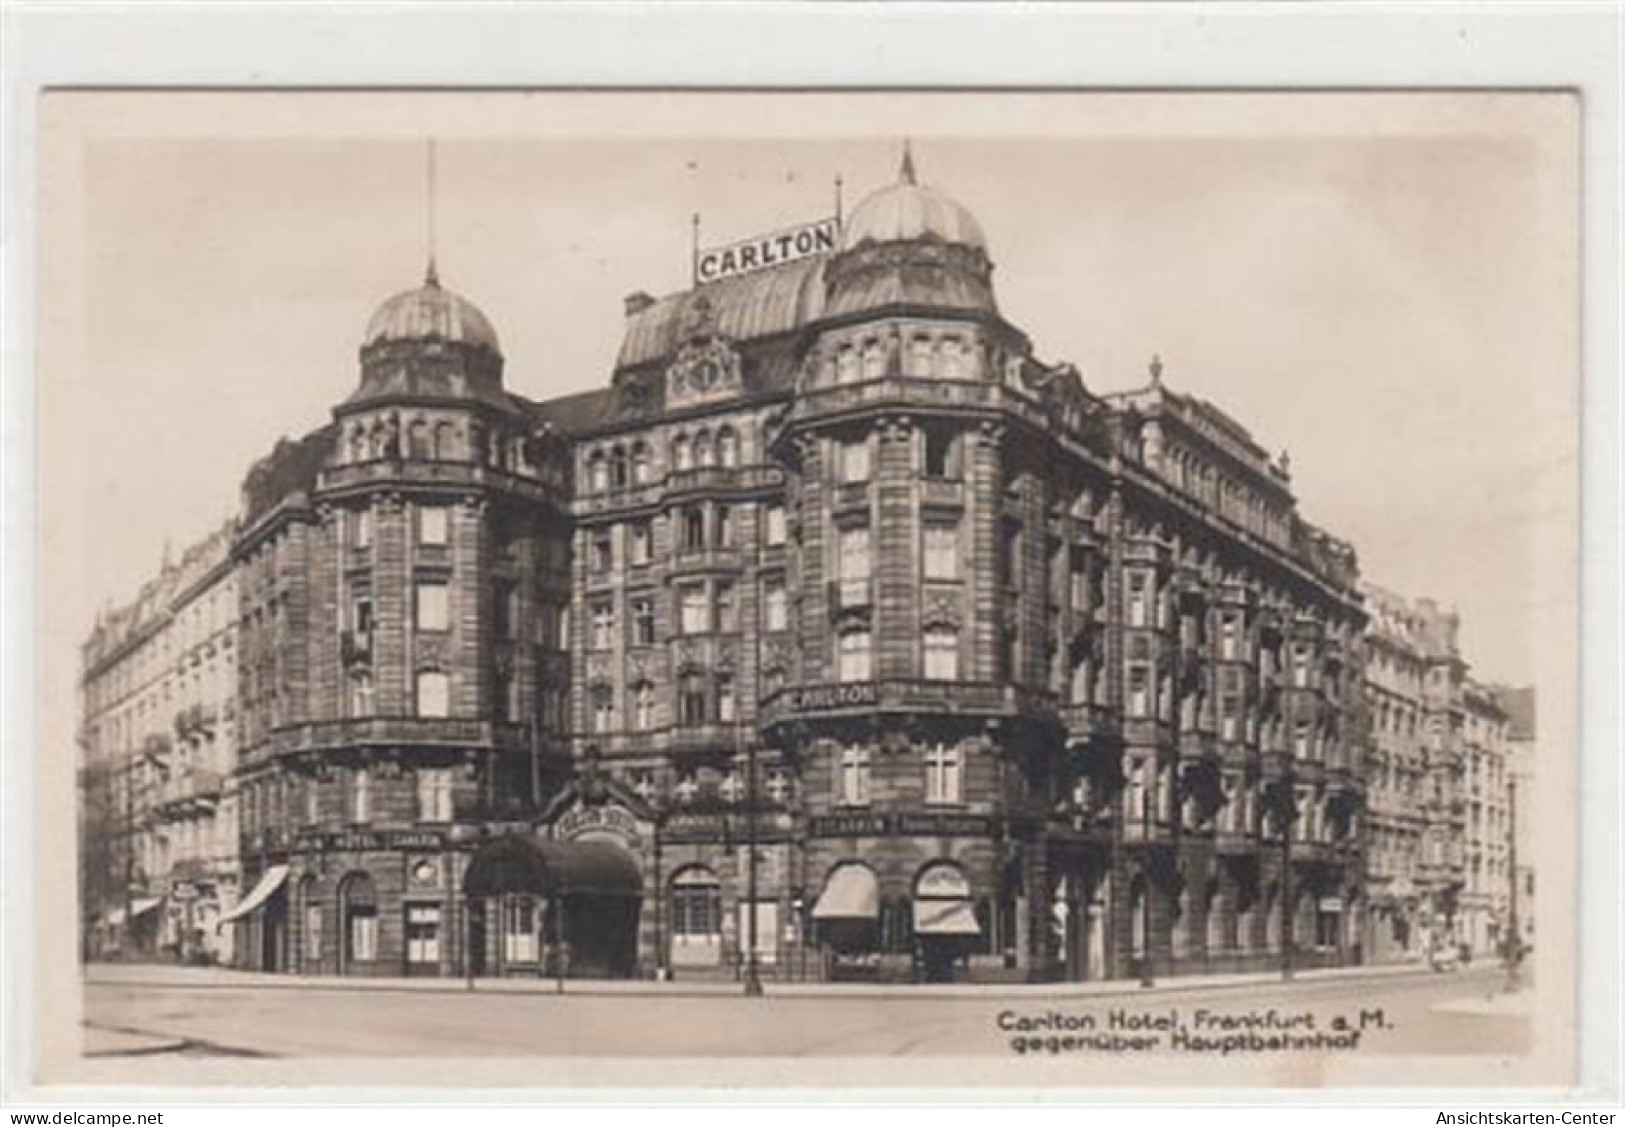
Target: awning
[(518, 863), (270, 881), (945, 917), (851, 893), (141, 907)]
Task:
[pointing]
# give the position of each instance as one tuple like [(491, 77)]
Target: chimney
[(636, 302)]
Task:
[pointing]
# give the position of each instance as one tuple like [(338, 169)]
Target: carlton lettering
[(766, 250), (831, 696)]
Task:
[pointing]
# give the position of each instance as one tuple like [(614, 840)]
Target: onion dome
[(908, 246), (430, 312), (430, 344), (910, 210)]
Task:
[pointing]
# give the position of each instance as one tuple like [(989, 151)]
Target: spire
[(906, 174), (431, 275)]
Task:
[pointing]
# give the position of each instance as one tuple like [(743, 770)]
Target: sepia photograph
[(967, 589)]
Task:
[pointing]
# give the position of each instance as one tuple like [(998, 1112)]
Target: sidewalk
[(174, 977)]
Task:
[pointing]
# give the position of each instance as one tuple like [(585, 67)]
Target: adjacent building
[(1440, 786), (158, 740)]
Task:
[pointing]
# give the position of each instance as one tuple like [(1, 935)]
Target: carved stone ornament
[(706, 367), (431, 651), (598, 667), (942, 611)]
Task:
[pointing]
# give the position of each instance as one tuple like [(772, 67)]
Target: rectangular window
[(939, 445), (854, 461), (643, 707), (773, 525), (726, 608), (775, 606), (643, 620), (941, 551), (691, 529), (434, 795), (941, 654), (1230, 637), (1139, 599), (692, 703), (603, 625), (603, 711), (722, 526), (943, 777), (505, 605), (423, 933), (433, 605), (694, 609), (602, 554), (1300, 665), (727, 705), (361, 528), (1139, 691), (854, 656), (363, 934), (641, 538), (853, 774), (433, 526), (519, 927), (360, 796), (433, 694), (852, 545)]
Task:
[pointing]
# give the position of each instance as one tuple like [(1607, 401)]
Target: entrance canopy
[(270, 881), (851, 893), (945, 917), (523, 864)]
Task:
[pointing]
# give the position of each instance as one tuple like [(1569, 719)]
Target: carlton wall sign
[(712, 264), (857, 694)]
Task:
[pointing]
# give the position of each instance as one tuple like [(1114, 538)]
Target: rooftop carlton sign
[(712, 264)]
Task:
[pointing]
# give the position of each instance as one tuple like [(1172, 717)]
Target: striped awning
[(269, 882), (141, 907), (945, 917), (851, 893)]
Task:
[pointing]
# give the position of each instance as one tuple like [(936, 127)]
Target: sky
[(1381, 288)]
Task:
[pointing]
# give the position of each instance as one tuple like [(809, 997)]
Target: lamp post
[(1288, 816), (753, 979)]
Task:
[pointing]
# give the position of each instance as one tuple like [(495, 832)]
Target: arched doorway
[(310, 926), (945, 925), (358, 924), (564, 907), (847, 918)]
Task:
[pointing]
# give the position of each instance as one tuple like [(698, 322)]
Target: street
[(139, 1011)]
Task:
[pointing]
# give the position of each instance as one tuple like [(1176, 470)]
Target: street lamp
[(1147, 975)]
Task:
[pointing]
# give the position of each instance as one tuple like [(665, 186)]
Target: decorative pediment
[(941, 610)]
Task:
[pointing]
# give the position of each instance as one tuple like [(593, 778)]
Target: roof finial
[(431, 276), (1156, 370), (906, 173)]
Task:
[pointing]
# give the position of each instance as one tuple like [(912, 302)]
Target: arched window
[(619, 474), (874, 360), (846, 365), (358, 908), (417, 438), (703, 453), (682, 453), (643, 706), (360, 693), (358, 444), (952, 353), (727, 447), (920, 357), (642, 468), (597, 472), (310, 922), (444, 441), (696, 917)]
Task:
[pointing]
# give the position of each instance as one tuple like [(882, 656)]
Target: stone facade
[(159, 744)]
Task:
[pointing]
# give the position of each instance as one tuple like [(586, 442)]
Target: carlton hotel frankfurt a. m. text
[(838, 636)]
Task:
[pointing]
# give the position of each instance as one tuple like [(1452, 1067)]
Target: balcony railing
[(322, 734), (944, 492)]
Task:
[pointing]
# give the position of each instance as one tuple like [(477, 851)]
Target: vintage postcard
[(646, 588)]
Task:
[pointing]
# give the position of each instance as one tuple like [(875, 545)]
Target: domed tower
[(435, 583), (923, 698)]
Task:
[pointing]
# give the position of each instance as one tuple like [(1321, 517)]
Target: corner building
[(1005, 679)]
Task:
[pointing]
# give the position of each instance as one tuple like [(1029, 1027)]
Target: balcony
[(723, 479), (977, 698), (706, 558), (942, 493), (850, 594), (417, 471), (322, 735)]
